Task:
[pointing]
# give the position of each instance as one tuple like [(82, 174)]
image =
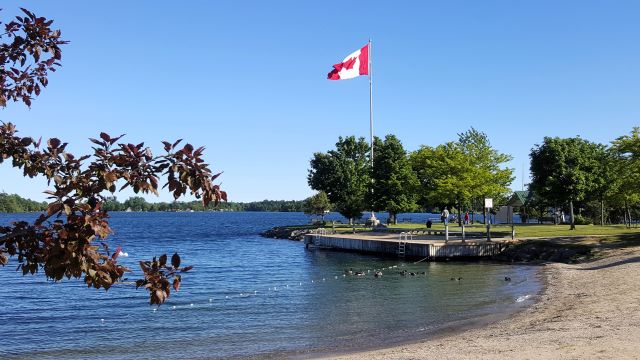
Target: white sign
[(488, 203)]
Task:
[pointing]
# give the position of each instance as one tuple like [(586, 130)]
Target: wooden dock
[(405, 245)]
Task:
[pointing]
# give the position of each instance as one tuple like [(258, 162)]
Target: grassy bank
[(538, 243), (532, 230)]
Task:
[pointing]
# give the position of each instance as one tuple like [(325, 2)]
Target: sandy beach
[(586, 311)]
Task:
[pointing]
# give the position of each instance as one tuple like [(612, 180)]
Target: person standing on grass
[(466, 218), (445, 215)]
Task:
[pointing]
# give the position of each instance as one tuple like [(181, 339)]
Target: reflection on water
[(247, 296)]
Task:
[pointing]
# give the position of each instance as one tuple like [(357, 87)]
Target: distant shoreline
[(587, 310)]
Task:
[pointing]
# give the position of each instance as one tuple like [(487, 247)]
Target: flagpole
[(371, 101), (373, 215)]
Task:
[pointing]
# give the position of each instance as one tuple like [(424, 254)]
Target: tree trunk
[(394, 218), (601, 212), (459, 213), (573, 223)]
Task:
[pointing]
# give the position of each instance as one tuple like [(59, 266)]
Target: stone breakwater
[(288, 233), (542, 251)]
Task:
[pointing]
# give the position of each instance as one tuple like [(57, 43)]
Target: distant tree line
[(138, 203), (14, 203)]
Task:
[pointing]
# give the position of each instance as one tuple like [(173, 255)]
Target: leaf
[(163, 260), (175, 260), (198, 151), (53, 143), (29, 14), (139, 283), (54, 208), (105, 137), (176, 284), (113, 140)]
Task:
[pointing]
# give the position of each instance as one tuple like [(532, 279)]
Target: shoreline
[(586, 310)]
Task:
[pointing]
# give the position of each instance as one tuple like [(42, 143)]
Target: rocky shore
[(543, 251), (296, 233)]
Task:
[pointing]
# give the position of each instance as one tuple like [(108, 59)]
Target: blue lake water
[(247, 296)]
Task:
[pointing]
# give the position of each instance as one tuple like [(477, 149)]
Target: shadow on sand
[(617, 263)]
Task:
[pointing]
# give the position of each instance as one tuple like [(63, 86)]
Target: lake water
[(247, 296)]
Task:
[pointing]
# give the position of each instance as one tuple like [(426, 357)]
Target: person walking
[(445, 215), (466, 218)]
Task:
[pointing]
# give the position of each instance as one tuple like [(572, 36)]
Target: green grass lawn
[(522, 230), (533, 230)]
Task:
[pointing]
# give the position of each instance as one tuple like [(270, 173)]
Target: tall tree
[(565, 170), (395, 184), (626, 171), (454, 173), (444, 173), (344, 175), (70, 238), (492, 179), (317, 204)]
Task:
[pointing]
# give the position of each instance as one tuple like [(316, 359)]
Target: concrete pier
[(397, 245)]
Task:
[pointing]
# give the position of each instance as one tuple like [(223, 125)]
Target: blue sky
[(248, 79)]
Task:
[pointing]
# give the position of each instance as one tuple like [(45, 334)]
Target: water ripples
[(246, 297)]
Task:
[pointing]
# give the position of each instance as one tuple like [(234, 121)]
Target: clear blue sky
[(248, 79)]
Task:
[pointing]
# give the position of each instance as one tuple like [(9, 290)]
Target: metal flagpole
[(371, 101), (373, 219)]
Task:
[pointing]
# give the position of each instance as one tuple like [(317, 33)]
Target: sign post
[(488, 204)]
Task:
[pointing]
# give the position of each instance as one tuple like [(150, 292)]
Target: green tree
[(112, 204), (137, 203), (317, 205), (625, 171), (394, 186), (14, 203), (565, 170), (9, 204), (608, 179), (344, 175), (491, 178), (455, 173), (446, 176)]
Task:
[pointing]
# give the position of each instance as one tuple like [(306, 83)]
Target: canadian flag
[(355, 64)]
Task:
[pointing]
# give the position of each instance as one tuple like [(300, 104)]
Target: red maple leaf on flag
[(349, 63)]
